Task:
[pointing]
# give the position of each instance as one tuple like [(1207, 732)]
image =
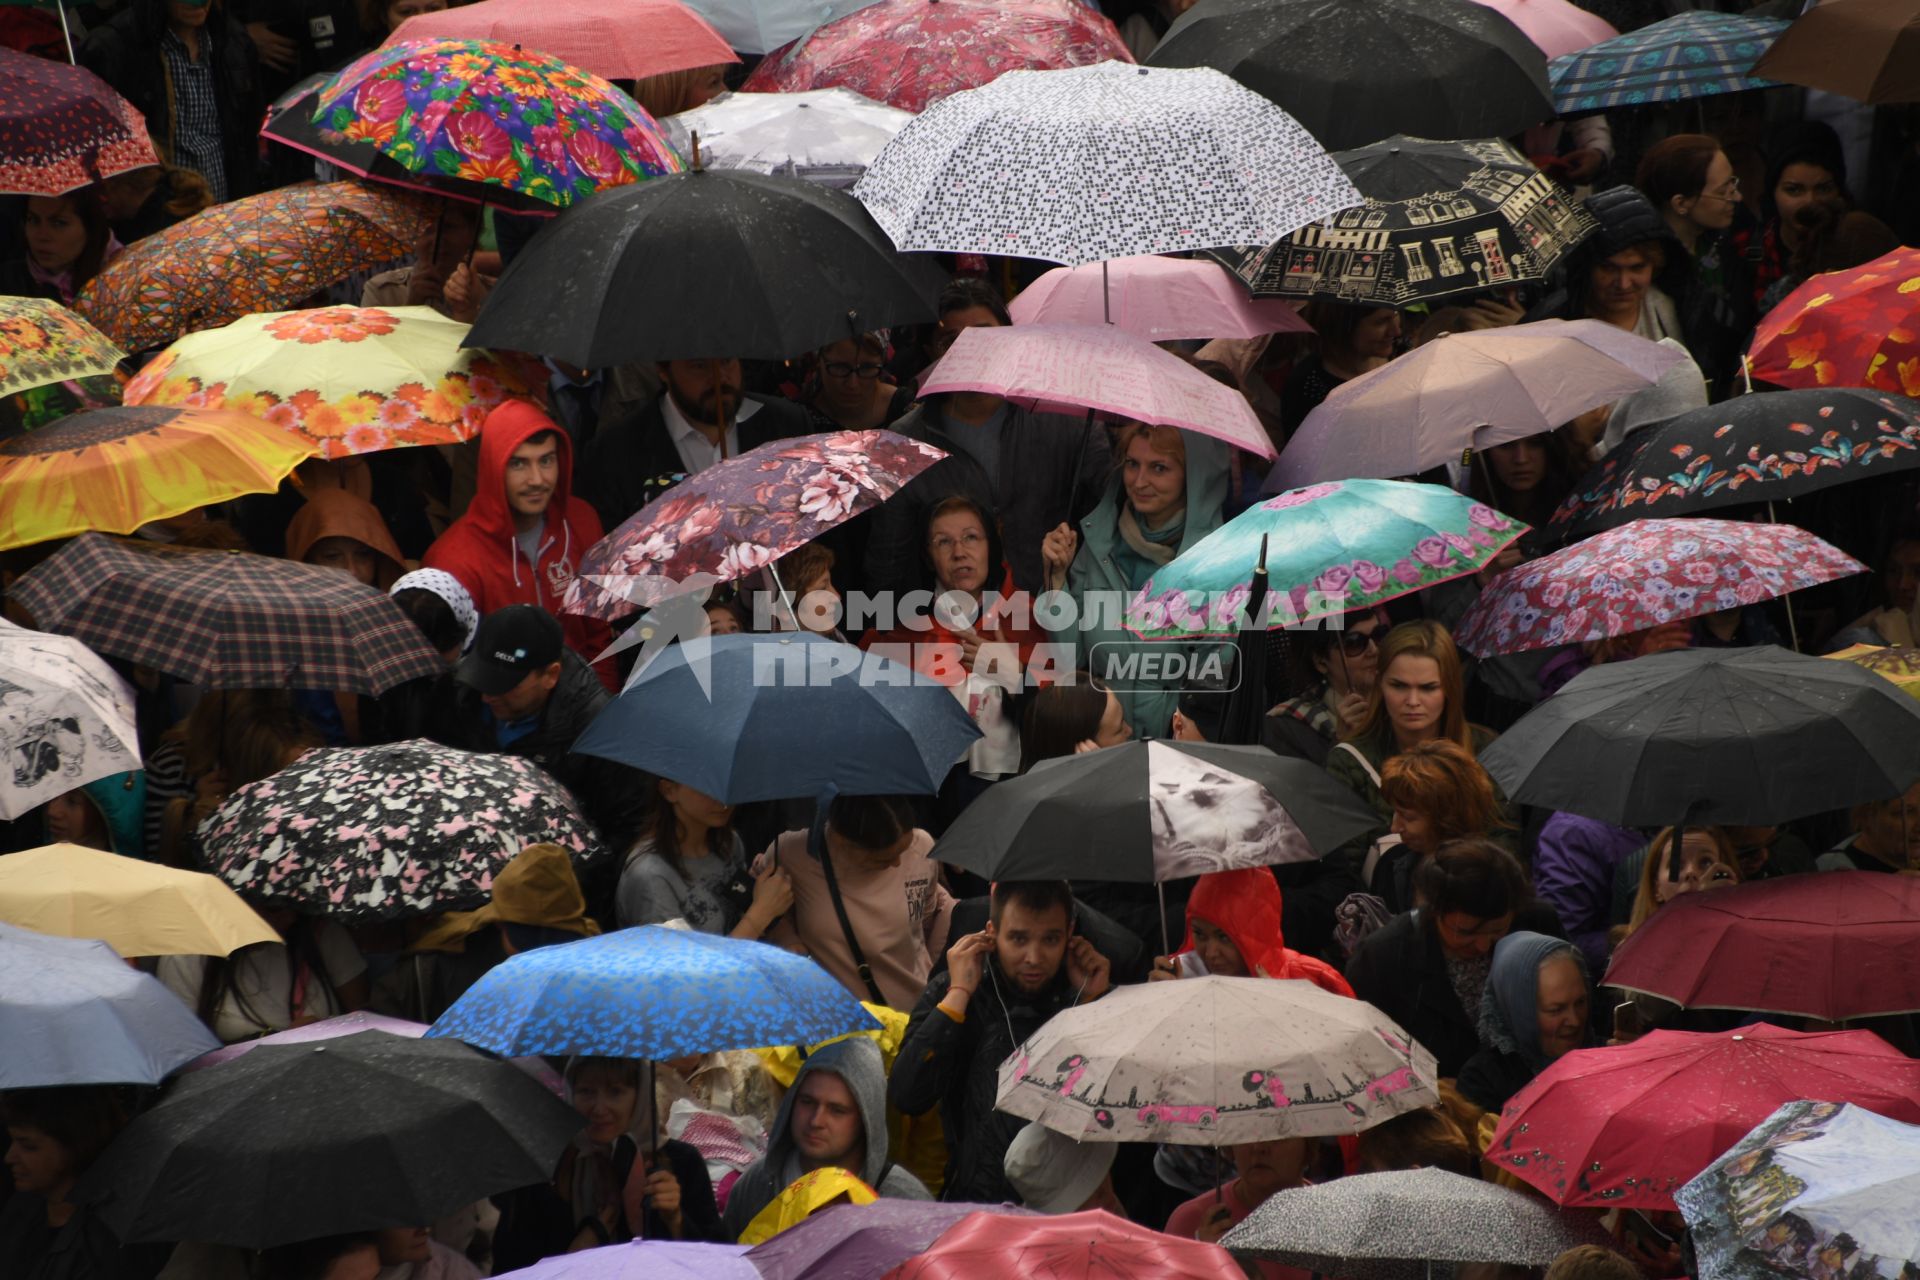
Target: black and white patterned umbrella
[(1100, 162)]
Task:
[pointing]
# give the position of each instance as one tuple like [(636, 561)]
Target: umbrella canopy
[(1152, 297), (1690, 55), (1468, 391), (1395, 1226), (1556, 26), (1151, 811), (1328, 549), (1763, 447), (644, 1260), (69, 719), (262, 253), (741, 514), (1897, 665), (345, 380), (743, 718), (1356, 71), (73, 1012), (1829, 946), (302, 1140), (760, 26), (35, 407), (113, 470), (540, 133), (1814, 1179), (1681, 736), (1092, 1245), (711, 240), (1868, 50), (1626, 1126), (613, 39), (1139, 161), (1215, 1061), (383, 833), (1066, 368), (63, 128), (1641, 575), (347, 1024), (910, 55), (862, 1241), (226, 620), (1437, 219), (675, 992), (1854, 328), (828, 136), (138, 908), (43, 342)]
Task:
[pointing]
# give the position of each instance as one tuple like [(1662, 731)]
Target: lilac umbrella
[(1159, 299), (862, 1241), (644, 1260)]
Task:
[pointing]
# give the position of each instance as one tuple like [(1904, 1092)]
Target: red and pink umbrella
[(62, 127), (1558, 27), (615, 39)]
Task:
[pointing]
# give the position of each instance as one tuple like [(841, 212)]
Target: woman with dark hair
[(315, 972), (1526, 478), (1808, 167), (849, 384), (53, 1136), (1534, 1012), (1691, 182), (690, 865), (67, 242), (1071, 718), (1353, 340), (1336, 667)]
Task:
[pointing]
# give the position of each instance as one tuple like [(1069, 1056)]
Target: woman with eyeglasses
[(1690, 180), (851, 386)]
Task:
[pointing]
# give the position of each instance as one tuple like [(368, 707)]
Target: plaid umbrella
[(42, 342), (62, 127), (382, 833), (225, 620), (1689, 55), (264, 253)]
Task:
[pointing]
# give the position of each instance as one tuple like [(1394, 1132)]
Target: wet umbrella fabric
[(1157, 298), (71, 718), (1854, 328), (1690, 55), (138, 908), (828, 136), (862, 1241), (354, 1134), (644, 1260), (1868, 50), (1090, 1245)]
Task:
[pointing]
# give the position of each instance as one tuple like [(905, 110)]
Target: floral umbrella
[(1641, 575), (1853, 328), (910, 54), (743, 514), (62, 128), (1900, 665), (43, 342), (347, 380), (1329, 549), (524, 122), (35, 407), (264, 253)]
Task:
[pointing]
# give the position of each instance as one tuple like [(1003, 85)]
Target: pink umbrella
[(1067, 368), (1558, 27), (614, 39), (1160, 299)]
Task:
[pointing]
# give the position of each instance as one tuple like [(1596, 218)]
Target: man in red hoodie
[(524, 532)]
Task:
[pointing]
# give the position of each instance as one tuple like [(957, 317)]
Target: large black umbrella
[(1748, 736), (704, 264), (1356, 71), (301, 1140), (1439, 218)]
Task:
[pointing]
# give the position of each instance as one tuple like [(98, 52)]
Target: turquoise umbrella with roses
[(1329, 549)]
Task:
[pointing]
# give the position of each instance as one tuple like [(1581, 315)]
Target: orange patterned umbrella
[(113, 470), (347, 380), (264, 253), (1853, 328)]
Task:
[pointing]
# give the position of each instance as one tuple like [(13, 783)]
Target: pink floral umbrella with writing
[(742, 515), (1641, 575)]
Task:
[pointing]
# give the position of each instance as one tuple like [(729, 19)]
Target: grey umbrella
[(1395, 1226)]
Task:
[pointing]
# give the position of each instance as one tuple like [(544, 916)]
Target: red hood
[(511, 424), (1246, 906)]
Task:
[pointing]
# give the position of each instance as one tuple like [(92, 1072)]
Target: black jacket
[(1490, 1077), (536, 1223), (631, 461)]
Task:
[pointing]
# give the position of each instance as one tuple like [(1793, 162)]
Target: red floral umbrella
[(62, 127), (1626, 1126), (1642, 574), (911, 53), (1856, 328)]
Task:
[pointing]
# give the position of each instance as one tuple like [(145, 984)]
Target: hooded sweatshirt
[(1245, 905), (480, 548), (857, 1062), (336, 513)]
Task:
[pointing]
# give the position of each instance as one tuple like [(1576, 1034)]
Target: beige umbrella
[(138, 908)]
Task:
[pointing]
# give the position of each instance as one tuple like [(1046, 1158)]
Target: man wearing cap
[(1051, 1173), (521, 691)]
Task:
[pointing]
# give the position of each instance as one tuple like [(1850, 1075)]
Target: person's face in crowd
[(1030, 946), (188, 13), (1664, 638), (849, 372), (72, 819), (694, 808), (1902, 575), (1893, 830), (1619, 284), (1355, 668), (1519, 465), (39, 1162), (404, 1244), (1468, 937), (55, 235), (349, 555), (447, 242), (957, 546), (1701, 867), (362, 1263), (1267, 1167), (1113, 728), (607, 1099), (1712, 209), (1415, 829), (1415, 698), (816, 604), (1156, 482), (1800, 185), (1751, 846), (1561, 1006), (1216, 949), (1375, 336), (533, 473), (705, 391), (526, 699), (722, 621), (399, 11), (826, 1123), (960, 318)]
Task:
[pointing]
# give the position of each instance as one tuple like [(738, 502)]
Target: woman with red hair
[(1233, 929)]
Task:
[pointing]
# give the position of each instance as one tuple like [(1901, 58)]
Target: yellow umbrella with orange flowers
[(1902, 666)]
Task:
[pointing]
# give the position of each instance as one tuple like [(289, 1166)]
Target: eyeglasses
[(840, 370), (1730, 193), (1355, 643), (943, 543)]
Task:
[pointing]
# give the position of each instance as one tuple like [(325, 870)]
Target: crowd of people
[(1478, 925)]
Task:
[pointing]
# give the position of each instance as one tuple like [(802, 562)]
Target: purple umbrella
[(862, 1241), (347, 1024), (644, 1260)]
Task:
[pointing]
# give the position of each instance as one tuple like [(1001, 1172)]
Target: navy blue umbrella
[(743, 718)]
